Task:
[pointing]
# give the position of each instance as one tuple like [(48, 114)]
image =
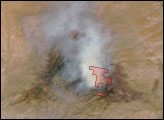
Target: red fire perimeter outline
[(102, 94), (104, 76)]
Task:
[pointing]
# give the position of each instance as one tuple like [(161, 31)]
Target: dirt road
[(137, 32)]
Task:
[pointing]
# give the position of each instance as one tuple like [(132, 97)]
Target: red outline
[(103, 74)]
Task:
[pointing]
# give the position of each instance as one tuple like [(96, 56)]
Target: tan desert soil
[(137, 31)]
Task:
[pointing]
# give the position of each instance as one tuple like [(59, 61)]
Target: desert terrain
[(136, 44)]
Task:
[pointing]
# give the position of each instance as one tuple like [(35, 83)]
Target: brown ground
[(138, 29)]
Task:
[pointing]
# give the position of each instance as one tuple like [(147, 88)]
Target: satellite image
[(81, 59)]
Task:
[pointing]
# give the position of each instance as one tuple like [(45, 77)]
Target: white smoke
[(59, 25)]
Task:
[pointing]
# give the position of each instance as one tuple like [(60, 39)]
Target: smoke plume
[(78, 34)]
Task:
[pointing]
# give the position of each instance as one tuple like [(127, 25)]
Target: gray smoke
[(73, 29)]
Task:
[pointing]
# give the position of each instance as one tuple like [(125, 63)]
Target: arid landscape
[(46, 48)]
